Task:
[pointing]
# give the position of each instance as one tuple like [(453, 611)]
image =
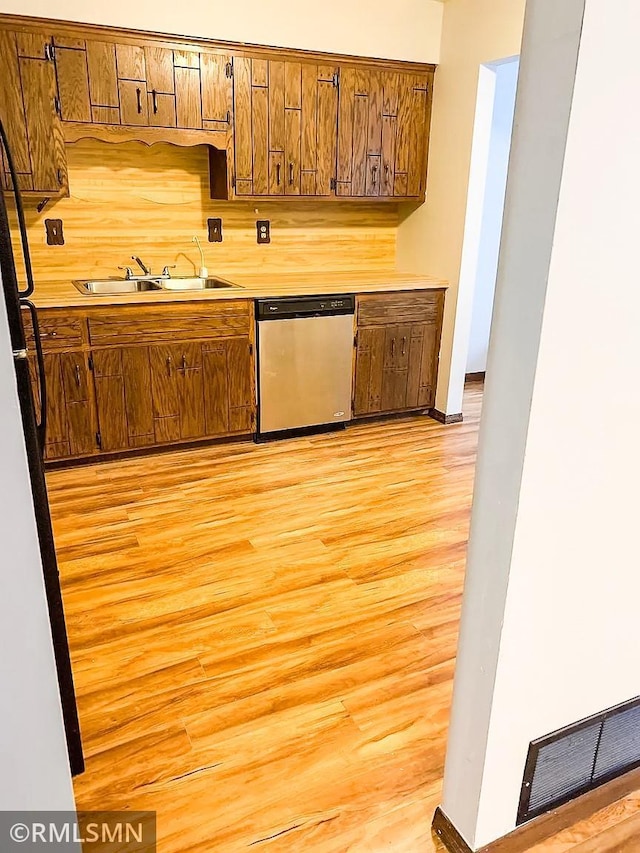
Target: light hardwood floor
[(263, 637)]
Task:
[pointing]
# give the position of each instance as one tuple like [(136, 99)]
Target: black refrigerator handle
[(42, 382), (23, 294)]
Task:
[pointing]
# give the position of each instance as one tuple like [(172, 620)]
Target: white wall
[(550, 616), (34, 768), (495, 184), (410, 29), (474, 32)]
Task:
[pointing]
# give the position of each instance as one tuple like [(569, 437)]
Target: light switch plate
[(55, 234), (215, 230)]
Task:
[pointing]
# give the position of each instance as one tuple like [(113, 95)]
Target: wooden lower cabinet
[(397, 362), (166, 393), (71, 427)]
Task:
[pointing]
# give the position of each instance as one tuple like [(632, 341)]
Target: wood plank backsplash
[(130, 199)]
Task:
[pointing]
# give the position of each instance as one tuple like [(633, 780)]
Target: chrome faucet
[(145, 270)]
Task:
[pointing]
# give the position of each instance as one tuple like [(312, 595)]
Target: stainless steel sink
[(111, 286), (178, 283)]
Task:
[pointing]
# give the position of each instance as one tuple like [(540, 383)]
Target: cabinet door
[(239, 366), (423, 365), (161, 109), (367, 396), (190, 384), (103, 82), (164, 388), (71, 426), (363, 95), (12, 107), (81, 425), (123, 397), (396, 367), (73, 83), (46, 144), (188, 98), (284, 127), (217, 90), (318, 134), (228, 388), (133, 102), (412, 134), (178, 391), (159, 70), (216, 387)]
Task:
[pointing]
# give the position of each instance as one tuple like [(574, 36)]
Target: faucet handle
[(165, 271), (128, 272)]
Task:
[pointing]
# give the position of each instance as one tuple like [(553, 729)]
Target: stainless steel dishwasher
[(305, 363)]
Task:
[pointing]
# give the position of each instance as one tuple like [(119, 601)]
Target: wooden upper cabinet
[(285, 116), (29, 112), (282, 125), (383, 127), (12, 106)]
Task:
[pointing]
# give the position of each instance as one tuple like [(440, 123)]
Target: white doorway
[(485, 206)]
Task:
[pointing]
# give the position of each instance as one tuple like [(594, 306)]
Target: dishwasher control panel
[(304, 306)]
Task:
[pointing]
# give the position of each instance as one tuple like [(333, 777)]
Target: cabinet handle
[(290, 174), (278, 174), (60, 177), (138, 93), (393, 346), (154, 100), (374, 174), (404, 346), (77, 375), (169, 364), (184, 362)]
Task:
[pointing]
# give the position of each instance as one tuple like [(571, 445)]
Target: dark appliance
[(16, 296)]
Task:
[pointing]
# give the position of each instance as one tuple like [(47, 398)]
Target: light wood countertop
[(260, 285)]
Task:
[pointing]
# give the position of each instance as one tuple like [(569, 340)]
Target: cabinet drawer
[(410, 306), (131, 325), (57, 331)]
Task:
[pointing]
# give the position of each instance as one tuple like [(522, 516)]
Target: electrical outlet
[(55, 234), (263, 227), (215, 230)]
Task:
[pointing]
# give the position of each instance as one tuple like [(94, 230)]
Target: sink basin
[(107, 286), (178, 283)]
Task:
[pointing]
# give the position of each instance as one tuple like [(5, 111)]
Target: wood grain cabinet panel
[(340, 127), (217, 88), (73, 84), (11, 104), (161, 109), (397, 350), (28, 108), (284, 127), (123, 397), (103, 74), (134, 108), (130, 62), (71, 425), (228, 388), (46, 143), (34, 44), (159, 70), (188, 98), (383, 129)]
